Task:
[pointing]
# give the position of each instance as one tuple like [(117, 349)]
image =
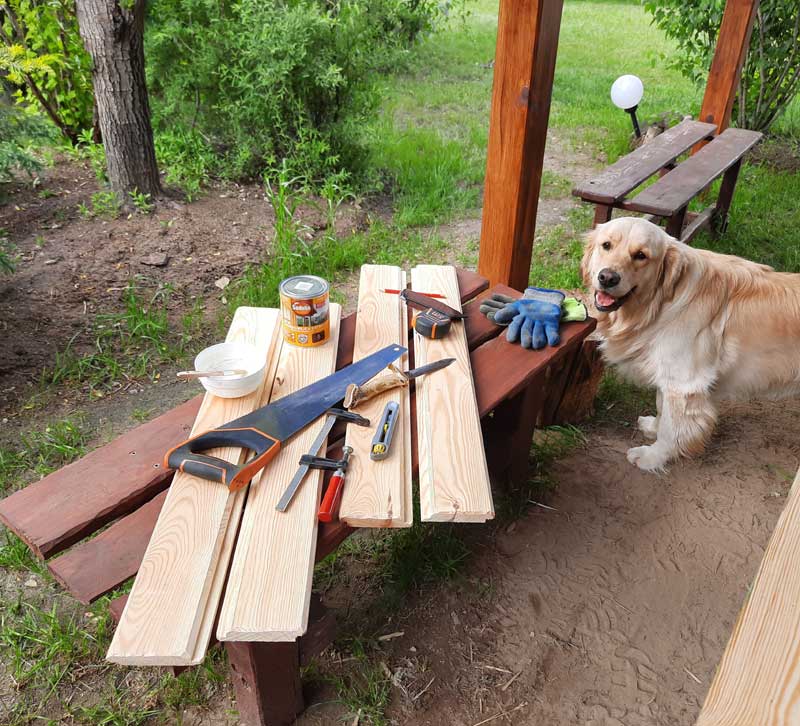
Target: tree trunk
[(114, 37)]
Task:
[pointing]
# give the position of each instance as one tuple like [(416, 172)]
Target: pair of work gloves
[(533, 319)]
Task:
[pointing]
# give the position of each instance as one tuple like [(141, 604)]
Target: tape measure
[(431, 323)]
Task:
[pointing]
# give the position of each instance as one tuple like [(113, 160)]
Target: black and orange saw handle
[(188, 457)]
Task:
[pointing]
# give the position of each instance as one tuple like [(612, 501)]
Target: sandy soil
[(611, 608)]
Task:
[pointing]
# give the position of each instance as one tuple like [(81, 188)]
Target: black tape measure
[(431, 323)]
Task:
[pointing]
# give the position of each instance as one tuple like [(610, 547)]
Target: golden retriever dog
[(697, 325)]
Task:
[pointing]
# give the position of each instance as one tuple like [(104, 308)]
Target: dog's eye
[(640, 256), (606, 245)]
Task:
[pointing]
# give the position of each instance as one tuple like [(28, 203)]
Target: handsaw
[(265, 429)]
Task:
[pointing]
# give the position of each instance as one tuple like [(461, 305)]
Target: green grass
[(124, 345)]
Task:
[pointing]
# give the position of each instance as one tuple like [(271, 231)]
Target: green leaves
[(771, 74)]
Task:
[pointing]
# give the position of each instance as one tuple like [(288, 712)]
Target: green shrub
[(42, 57), (20, 131), (771, 72), (238, 87)]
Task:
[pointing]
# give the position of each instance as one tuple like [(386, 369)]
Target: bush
[(772, 69), (19, 132), (243, 85), (42, 57)]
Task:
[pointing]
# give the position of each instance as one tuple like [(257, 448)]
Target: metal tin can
[(304, 307)]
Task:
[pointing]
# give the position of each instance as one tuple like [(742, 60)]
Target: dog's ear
[(673, 268), (589, 240)]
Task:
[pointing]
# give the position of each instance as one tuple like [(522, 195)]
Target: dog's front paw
[(648, 425), (647, 458)]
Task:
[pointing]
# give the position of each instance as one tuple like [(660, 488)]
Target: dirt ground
[(611, 604)]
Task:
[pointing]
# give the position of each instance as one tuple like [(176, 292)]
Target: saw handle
[(188, 457)]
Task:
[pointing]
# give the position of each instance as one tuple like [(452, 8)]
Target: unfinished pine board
[(406, 415), (453, 477), (758, 679), (169, 614), (269, 587), (376, 492)]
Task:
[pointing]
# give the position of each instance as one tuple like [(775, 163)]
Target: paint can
[(304, 307)]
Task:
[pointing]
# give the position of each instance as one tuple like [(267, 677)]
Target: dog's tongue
[(604, 298)]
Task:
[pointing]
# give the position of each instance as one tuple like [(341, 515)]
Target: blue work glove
[(534, 319)]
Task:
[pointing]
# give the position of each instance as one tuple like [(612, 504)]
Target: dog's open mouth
[(606, 303)]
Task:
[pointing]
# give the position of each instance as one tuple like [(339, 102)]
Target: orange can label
[(305, 303)]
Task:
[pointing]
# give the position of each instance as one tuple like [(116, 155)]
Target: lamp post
[(626, 92)]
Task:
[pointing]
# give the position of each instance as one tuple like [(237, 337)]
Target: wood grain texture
[(269, 586), (100, 564), (453, 477), (170, 611), (726, 67), (758, 679), (615, 181), (376, 493), (675, 190), (71, 503), (525, 59)]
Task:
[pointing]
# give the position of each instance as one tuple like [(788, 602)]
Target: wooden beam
[(726, 67), (453, 477), (377, 492), (171, 609), (269, 586), (758, 679), (525, 59)]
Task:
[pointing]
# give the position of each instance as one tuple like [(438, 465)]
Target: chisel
[(334, 415)]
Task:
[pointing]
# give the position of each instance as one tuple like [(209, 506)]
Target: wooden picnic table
[(123, 483), (668, 198)]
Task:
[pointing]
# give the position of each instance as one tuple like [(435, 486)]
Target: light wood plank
[(269, 587), (453, 477), (408, 520), (170, 612), (758, 679), (376, 493)]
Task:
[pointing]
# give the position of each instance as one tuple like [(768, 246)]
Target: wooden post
[(525, 59), (726, 68)]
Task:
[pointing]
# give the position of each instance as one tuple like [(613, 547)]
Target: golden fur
[(697, 325)]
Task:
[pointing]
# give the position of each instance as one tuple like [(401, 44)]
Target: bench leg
[(509, 440), (266, 680), (602, 213), (726, 190), (675, 223)]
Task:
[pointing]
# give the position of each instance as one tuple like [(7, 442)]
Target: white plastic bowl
[(226, 356)]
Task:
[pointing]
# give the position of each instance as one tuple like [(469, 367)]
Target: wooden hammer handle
[(355, 395)]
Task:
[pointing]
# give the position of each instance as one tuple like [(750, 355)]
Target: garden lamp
[(626, 92)]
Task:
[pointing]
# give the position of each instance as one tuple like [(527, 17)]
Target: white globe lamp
[(626, 92)]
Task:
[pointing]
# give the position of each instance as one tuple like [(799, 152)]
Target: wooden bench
[(758, 679), (123, 483), (680, 182)]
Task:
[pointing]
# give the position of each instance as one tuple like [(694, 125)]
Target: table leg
[(728, 186), (602, 213), (266, 679)]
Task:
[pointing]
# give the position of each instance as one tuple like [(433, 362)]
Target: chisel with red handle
[(329, 509)]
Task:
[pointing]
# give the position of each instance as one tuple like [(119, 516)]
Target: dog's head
[(629, 261)]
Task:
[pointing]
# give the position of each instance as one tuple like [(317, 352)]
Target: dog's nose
[(608, 278)]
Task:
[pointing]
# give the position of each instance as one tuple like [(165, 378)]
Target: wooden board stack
[(171, 609), (378, 493), (453, 476), (268, 592)]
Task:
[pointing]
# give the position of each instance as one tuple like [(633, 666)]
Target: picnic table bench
[(681, 181), (123, 483)]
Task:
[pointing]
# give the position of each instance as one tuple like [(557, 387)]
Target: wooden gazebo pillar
[(524, 63), (525, 60)]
